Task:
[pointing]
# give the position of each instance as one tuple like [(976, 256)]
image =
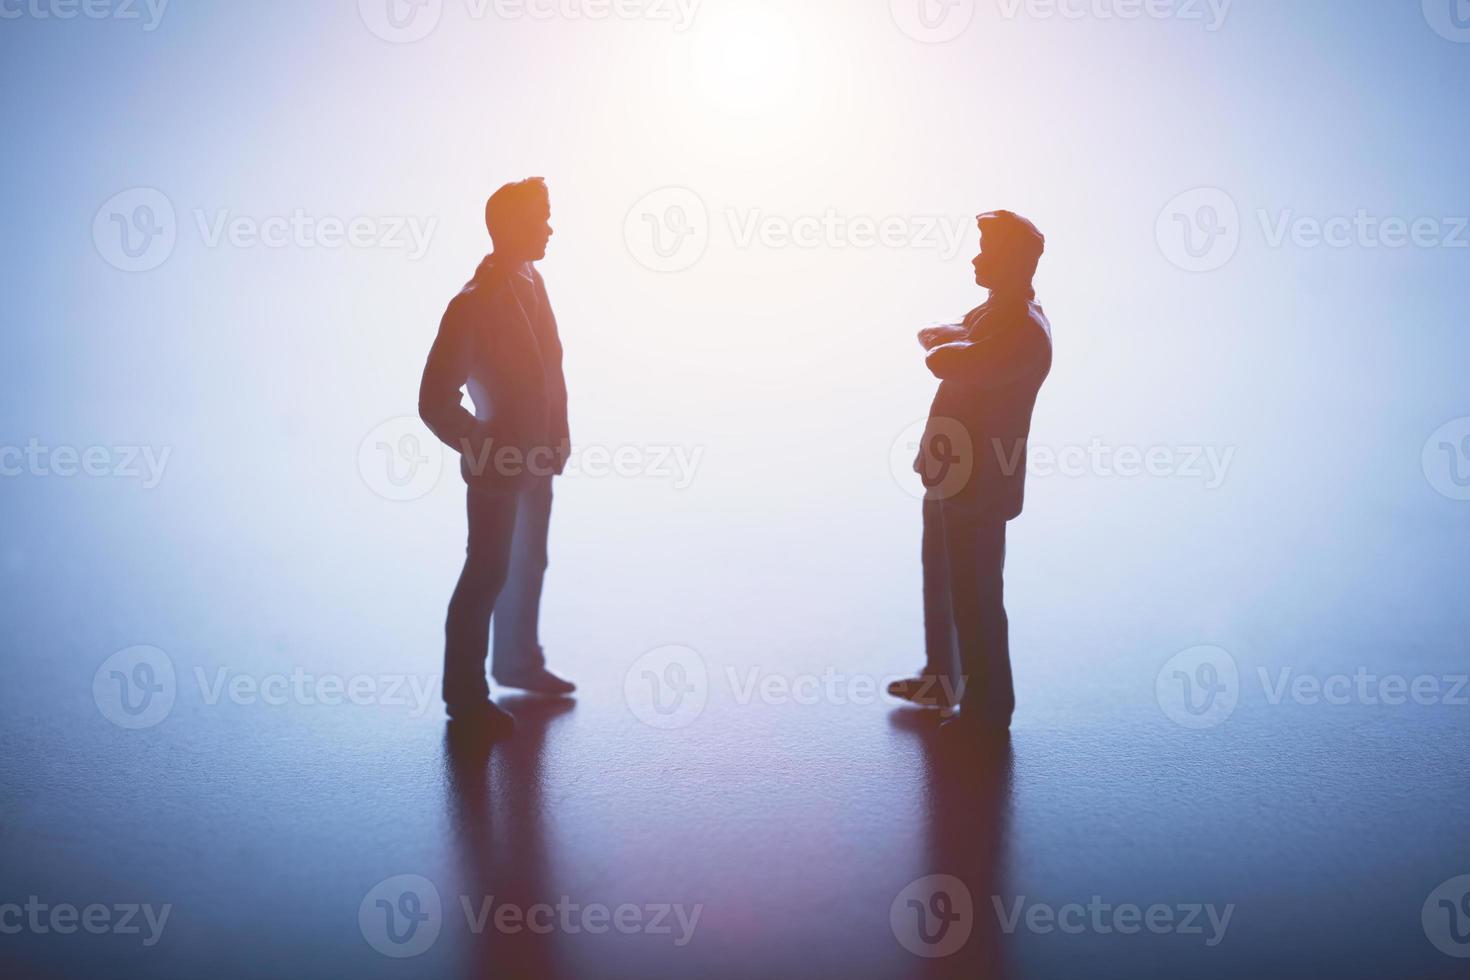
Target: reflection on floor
[(794, 825)]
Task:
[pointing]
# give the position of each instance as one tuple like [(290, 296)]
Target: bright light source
[(749, 62)]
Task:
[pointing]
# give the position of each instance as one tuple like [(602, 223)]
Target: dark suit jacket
[(987, 393), (499, 340)]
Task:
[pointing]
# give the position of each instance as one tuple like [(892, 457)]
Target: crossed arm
[(989, 362), (941, 334)]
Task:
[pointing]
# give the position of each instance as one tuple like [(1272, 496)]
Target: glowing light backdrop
[(791, 368), (231, 228)]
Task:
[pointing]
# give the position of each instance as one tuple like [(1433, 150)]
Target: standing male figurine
[(499, 340), (973, 463)]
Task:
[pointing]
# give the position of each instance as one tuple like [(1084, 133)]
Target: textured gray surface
[(795, 826)]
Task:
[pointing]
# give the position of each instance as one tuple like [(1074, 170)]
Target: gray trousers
[(505, 565), (966, 631)]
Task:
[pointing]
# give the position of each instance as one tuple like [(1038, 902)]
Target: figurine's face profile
[(532, 233), (988, 265), (518, 217), (1010, 248)]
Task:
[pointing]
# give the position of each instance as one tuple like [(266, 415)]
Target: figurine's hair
[(511, 203), (1016, 236)]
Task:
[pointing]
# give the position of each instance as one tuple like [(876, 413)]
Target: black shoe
[(970, 727), (537, 680), (927, 690), (481, 717)]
